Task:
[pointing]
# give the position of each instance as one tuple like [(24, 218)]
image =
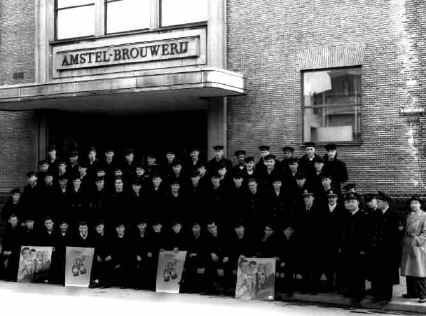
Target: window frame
[(357, 107), (160, 18), (100, 21), (57, 9), (105, 22)]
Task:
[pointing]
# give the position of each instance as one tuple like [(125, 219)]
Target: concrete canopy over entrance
[(186, 90)]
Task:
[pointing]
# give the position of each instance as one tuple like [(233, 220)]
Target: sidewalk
[(397, 304), (327, 299)]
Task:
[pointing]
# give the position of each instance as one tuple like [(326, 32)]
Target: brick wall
[(17, 41), (266, 42), (18, 143)]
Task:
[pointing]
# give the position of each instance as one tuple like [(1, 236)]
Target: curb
[(397, 304)]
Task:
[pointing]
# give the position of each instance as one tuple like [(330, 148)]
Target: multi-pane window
[(75, 18), (81, 18), (127, 15), (175, 12), (331, 105)]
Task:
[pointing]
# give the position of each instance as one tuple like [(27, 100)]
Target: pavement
[(398, 304), (44, 299)]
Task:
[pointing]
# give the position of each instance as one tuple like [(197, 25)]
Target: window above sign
[(332, 104), (85, 18)]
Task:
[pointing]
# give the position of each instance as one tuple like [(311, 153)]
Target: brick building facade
[(252, 63)]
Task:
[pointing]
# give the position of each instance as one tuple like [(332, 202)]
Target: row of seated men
[(340, 240)]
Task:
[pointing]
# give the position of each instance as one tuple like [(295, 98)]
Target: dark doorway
[(154, 133)]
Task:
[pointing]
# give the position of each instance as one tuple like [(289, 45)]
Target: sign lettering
[(129, 53)]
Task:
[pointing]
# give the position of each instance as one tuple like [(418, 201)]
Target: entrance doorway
[(146, 133)]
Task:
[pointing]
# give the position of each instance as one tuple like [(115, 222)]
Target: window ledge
[(412, 110), (143, 31), (352, 143)]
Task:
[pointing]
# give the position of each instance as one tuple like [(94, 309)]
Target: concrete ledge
[(397, 303), (200, 83)]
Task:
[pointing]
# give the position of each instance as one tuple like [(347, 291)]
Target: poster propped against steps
[(255, 279), (169, 271), (34, 264), (78, 266)]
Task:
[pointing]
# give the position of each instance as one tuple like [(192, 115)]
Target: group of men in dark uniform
[(291, 209)]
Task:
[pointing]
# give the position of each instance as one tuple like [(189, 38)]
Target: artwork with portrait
[(34, 264), (169, 271), (78, 266), (255, 278)]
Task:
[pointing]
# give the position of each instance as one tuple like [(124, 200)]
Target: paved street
[(18, 299)]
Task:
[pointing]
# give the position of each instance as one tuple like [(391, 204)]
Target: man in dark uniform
[(371, 204), (239, 244), (215, 258), (219, 159), (236, 196), (288, 154), (216, 201), (128, 165), (31, 196), (254, 208), (353, 246), (240, 156), (314, 178), (108, 165), (157, 243), (78, 202), (48, 197), (97, 200), (13, 206), (155, 197), (151, 165), (48, 237), (61, 171), (176, 239), (224, 176), (279, 204), (28, 235), (43, 168), (117, 204), (194, 278), (263, 152), (73, 162), (194, 160), (204, 176), (102, 261), (92, 164), (306, 162), (83, 238), (290, 176), (142, 255), (65, 239), (309, 238), (195, 195), (9, 258), (167, 164), (122, 255), (137, 202), (333, 213), (271, 171), (385, 249), (178, 174), (52, 159), (250, 169), (175, 205), (335, 167)]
